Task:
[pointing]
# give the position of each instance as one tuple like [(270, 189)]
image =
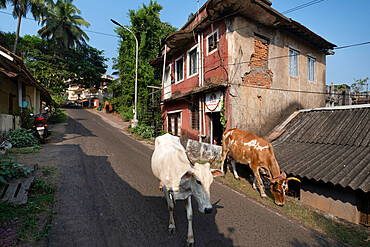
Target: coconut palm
[(62, 24), (20, 9)]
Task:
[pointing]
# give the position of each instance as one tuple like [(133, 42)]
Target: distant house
[(361, 97), (239, 64), (329, 150), (81, 95), (18, 89), (338, 95)]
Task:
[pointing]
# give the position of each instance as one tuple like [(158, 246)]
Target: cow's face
[(201, 178), (278, 190)]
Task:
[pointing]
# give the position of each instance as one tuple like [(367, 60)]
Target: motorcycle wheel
[(42, 140)]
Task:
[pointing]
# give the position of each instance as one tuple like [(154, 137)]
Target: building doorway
[(216, 129), (174, 123)]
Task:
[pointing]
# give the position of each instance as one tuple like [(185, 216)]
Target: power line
[(302, 6), (347, 46), (276, 89), (285, 56)]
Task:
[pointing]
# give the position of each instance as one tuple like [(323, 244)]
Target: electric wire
[(302, 6), (277, 89)]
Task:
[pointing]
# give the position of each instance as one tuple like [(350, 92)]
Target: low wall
[(202, 151), (8, 122)]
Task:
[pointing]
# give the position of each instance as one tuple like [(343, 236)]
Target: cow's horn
[(213, 160), (293, 178), (191, 161)]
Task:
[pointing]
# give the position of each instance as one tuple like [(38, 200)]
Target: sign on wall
[(213, 101)]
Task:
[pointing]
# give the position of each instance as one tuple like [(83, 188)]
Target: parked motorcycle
[(41, 127)]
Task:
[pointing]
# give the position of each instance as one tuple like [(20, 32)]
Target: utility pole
[(134, 122)]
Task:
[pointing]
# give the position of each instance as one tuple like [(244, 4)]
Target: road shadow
[(96, 207)]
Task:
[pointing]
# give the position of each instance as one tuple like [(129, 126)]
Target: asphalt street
[(108, 196)]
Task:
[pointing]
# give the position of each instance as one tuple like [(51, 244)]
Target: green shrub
[(58, 116), (10, 169), (144, 131), (100, 107), (21, 138), (126, 112), (26, 118)]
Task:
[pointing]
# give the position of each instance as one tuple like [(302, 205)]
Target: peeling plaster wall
[(258, 105)]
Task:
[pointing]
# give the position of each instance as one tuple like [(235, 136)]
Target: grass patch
[(293, 208), (32, 220), (58, 116), (28, 150)]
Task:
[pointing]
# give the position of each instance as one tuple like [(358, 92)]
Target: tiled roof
[(330, 145)]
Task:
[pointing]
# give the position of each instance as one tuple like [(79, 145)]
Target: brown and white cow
[(246, 148), (180, 178)]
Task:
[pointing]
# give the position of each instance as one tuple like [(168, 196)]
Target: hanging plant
[(223, 118)]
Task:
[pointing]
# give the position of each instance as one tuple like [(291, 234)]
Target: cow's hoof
[(187, 244), (238, 178), (171, 230), (263, 196)]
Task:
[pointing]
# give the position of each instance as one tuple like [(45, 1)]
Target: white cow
[(180, 178)]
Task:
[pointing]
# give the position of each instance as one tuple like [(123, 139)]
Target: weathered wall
[(262, 91), (7, 88), (6, 122), (202, 151), (337, 201)]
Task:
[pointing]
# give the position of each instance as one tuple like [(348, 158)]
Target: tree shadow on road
[(96, 207)]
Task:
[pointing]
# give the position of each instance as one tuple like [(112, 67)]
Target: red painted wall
[(213, 71)]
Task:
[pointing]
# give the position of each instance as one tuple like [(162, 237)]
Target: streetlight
[(134, 122)]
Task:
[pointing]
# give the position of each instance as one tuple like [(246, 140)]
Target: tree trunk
[(17, 35)]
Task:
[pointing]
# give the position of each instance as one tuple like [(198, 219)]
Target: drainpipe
[(200, 119), (20, 96), (202, 59), (164, 65)]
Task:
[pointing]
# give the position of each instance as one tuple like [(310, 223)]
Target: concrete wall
[(31, 97), (262, 91), (334, 200), (202, 151), (6, 122)]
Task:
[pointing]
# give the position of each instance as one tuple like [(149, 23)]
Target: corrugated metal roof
[(330, 145)]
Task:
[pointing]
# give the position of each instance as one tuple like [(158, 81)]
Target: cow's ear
[(187, 175), (217, 173)]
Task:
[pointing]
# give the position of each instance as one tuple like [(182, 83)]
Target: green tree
[(20, 9), (54, 68), (359, 84), (62, 24), (150, 32)]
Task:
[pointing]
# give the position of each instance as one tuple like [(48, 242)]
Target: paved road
[(108, 197)]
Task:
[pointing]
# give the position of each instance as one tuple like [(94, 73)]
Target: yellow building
[(18, 89)]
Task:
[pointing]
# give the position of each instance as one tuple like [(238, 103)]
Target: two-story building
[(239, 64), (81, 95)]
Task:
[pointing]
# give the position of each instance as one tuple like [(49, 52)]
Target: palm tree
[(2, 4), (62, 24), (20, 9)]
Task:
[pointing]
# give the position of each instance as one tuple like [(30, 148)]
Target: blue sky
[(341, 22)]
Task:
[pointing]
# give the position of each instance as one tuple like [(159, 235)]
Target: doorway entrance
[(216, 129)]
